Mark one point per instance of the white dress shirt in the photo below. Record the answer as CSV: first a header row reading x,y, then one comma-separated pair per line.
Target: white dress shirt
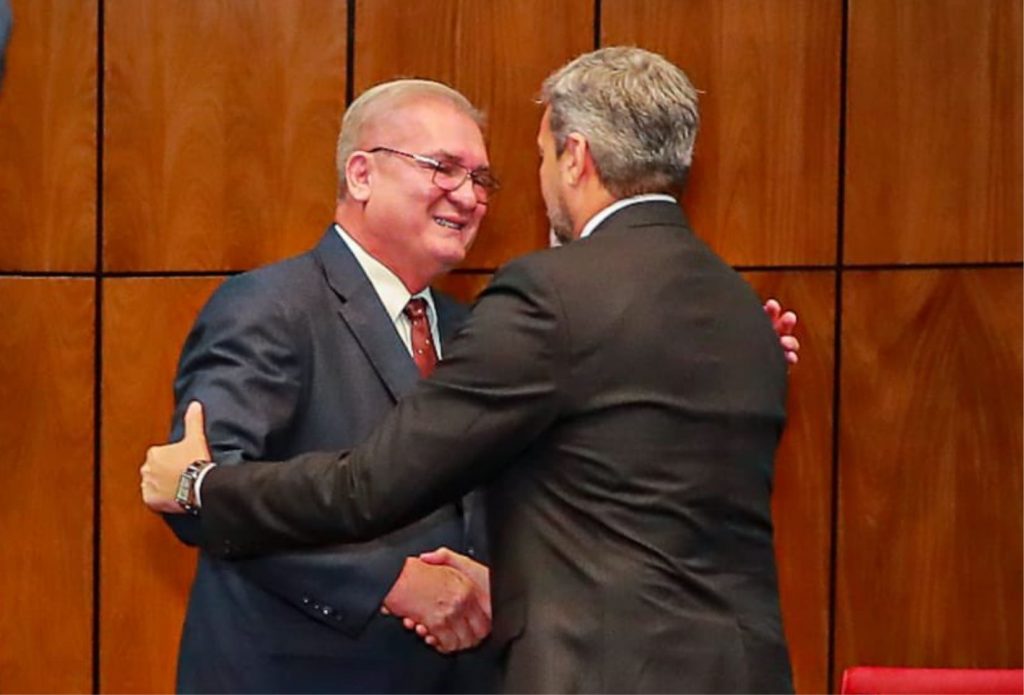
x,y
393,294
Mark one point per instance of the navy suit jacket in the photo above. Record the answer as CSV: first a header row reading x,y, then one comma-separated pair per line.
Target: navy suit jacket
x,y
294,357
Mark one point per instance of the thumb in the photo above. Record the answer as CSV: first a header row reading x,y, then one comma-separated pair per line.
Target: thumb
x,y
195,428
440,556
455,560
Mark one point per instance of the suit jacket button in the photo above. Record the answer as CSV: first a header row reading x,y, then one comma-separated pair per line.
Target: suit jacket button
x,y
471,551
306,600
327,611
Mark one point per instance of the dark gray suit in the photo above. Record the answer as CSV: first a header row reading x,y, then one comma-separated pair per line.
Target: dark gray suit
x,y
624,397
294,357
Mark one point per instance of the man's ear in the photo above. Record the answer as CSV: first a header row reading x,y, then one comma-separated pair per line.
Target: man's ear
x,y
574,158
358,176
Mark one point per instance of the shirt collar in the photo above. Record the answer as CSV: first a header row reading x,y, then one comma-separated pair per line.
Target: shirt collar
x,y
604,214
393,294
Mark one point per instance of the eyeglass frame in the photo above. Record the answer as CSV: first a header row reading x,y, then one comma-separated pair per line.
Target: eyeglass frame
x,y
489,187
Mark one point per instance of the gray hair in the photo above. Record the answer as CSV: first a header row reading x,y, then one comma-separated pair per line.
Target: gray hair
x,y
638,112
382,99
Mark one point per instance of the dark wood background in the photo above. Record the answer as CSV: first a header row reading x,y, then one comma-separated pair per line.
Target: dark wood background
x,y
860,159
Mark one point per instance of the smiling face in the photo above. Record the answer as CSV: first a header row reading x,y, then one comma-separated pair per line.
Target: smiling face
x,y
409,223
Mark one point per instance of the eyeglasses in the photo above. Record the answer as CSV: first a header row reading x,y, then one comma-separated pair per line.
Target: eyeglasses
x,y
448,176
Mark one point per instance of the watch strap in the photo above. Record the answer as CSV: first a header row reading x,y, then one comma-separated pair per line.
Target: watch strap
x,y
185,495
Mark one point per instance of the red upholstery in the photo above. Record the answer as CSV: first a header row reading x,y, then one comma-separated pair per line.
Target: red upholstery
x,y
872,680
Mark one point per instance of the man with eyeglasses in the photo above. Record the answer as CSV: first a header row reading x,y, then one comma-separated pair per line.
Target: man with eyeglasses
x,y
309,354
621,398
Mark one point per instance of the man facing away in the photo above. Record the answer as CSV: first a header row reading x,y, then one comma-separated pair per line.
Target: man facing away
x,y
309,354
621,398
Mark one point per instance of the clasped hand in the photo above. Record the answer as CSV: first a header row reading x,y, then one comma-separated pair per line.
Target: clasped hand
x,y
445,598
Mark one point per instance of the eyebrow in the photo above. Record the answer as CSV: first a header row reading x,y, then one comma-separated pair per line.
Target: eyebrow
x,y
448,156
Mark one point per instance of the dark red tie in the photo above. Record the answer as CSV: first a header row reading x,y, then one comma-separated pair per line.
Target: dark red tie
x,y
422,341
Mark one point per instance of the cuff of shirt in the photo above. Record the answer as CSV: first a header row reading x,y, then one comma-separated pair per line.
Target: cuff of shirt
x,y
198,487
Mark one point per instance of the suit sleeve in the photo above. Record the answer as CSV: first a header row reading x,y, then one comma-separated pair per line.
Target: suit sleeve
x,y
498,388
244,360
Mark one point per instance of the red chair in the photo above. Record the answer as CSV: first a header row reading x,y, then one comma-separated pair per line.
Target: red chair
x,y
878,680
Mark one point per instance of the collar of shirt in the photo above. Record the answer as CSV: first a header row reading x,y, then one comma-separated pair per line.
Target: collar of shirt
x,y
604,214
393,294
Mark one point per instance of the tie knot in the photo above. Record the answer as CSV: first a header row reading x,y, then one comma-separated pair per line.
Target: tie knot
x,y
416,308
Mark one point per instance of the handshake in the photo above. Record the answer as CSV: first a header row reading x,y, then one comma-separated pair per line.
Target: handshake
x,y
442,595
445,597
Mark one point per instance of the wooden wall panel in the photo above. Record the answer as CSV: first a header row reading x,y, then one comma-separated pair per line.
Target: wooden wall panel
x,y
934,131
802,506
497,52
764,185
220,120
46,521
146,572
929,568
48,138
220,126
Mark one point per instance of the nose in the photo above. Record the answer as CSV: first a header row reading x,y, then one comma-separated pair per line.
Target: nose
x,y
464,196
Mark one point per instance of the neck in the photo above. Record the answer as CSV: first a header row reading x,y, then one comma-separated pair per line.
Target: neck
x,y
588,203
405,269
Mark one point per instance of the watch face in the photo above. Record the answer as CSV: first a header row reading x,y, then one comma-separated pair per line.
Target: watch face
x,y
184,483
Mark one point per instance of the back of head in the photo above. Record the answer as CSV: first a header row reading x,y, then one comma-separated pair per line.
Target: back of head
x,y
382,101
637,111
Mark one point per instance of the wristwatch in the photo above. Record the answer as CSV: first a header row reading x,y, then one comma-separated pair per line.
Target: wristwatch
x,y
186,493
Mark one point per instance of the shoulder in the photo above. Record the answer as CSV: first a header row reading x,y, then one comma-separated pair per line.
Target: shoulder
x,y
279,299
279,287
532,268
530,286
290,272
556,271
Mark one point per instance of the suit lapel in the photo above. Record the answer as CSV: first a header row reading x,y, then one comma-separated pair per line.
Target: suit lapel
x,y
450,316
364,314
